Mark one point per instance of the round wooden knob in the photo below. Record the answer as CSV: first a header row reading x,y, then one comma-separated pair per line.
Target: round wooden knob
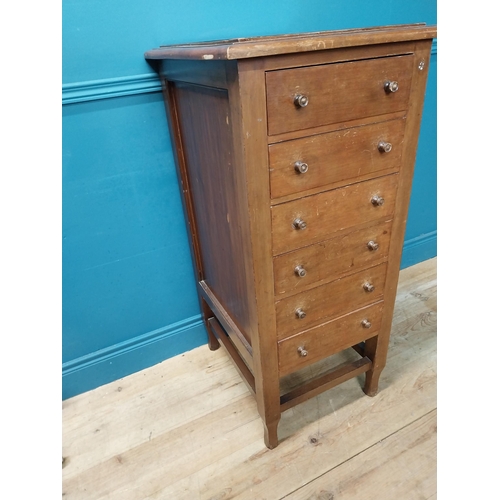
x,y
301,100
300,313
366,324
300,271
372,245
302,351
368,287
384,147
391,87
377,200
299,224
301,167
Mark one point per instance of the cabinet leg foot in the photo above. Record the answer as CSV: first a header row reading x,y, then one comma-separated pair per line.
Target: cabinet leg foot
x,y
371,382
213,343
271,434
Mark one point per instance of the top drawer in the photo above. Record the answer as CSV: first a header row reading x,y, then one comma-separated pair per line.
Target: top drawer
x,y
336,92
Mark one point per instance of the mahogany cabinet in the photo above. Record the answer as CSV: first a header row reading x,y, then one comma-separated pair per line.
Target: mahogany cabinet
x,y
295,155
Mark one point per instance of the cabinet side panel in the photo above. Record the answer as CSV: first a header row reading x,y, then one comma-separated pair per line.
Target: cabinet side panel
x,y
205,129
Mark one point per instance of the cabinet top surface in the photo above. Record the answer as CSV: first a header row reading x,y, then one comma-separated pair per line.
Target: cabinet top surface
x,y
243,48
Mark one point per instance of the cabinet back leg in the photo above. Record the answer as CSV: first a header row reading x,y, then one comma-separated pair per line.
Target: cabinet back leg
x,y
213,343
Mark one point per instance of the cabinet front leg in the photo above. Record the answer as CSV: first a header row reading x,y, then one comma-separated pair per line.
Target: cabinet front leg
x,y
271,433
371,382
372,376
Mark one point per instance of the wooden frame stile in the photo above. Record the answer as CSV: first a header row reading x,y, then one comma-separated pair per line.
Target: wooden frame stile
x,y
249,108
187,201
376,347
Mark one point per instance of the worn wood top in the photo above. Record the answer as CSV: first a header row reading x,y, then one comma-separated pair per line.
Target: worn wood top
x,y
242,48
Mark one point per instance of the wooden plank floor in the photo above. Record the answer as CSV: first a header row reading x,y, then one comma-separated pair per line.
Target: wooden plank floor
x,y
189,429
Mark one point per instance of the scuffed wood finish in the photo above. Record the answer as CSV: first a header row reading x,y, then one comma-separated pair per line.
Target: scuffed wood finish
x,y
329,301
249,115
254,219
329,259
335,157
328,338
242,48
321,213
336,92
189,428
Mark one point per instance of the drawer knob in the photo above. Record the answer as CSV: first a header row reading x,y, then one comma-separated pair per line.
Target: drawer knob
x,y
366,324
384,147
301,100
301,167
391,87
368,287
302,351
300,313
372,245
377,200
300,271
299,224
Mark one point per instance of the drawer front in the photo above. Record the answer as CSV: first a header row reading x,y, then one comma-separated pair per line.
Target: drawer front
x,y
336,92
325,213
325,261
323,341
329,301
335,156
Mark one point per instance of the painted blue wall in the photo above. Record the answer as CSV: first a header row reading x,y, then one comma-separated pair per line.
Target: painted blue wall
x,y
129,299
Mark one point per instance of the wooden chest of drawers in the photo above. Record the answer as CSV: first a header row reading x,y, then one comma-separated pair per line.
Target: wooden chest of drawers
x,y
295,155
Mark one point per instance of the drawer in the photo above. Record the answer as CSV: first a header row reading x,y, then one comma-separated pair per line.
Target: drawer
x,y
329,301
325,261
315,218
336,92
335,157
323,341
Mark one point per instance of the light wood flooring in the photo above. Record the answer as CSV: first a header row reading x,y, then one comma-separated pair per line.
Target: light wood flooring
x,y
189,429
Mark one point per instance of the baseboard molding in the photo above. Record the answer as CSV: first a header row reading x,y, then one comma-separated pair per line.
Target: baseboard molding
x,y
418,249
104,366
94,90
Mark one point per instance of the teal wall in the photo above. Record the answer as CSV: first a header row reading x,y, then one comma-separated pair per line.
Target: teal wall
x,y
129,299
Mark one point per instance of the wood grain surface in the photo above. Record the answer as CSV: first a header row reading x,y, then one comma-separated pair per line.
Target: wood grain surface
x,y
331,212
336,92
239,48
329,301
329,259
334,157
328,338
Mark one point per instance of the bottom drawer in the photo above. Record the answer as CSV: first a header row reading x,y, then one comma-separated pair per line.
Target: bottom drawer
x,y
322,341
